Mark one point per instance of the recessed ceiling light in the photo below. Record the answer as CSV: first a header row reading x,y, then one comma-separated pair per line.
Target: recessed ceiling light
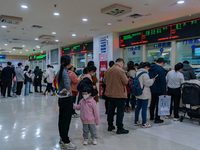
x,y
73,34
53,32
23,45
27,50
13,49
36,39
85,19
4,27
9,51
56,40
109,24
37,46
6,44
24,6
56,14
181,2
20,52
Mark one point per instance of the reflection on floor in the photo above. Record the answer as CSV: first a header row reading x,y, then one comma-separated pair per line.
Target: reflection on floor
x,y
30,123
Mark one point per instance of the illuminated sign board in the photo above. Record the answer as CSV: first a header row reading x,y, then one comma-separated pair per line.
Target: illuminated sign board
x,y
169,32
82,48
37,57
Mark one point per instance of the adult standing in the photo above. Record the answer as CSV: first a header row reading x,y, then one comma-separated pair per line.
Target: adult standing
x,y
74,80
65,103
174,80
158,88
116,80
27,78
111,63
50,75
7,76
1,68
130,73
37,78
187,71
94,79
20,78
142,100
14,83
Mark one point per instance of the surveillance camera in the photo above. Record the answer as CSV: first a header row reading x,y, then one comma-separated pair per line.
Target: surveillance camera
x,y
33,49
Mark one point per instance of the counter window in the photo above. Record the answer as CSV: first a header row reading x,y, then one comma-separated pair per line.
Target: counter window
x,y
80,60
134,54
189,50
90,56
155,51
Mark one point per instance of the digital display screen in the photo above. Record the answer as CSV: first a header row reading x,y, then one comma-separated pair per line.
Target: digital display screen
x,y
77,49
37,57
169,32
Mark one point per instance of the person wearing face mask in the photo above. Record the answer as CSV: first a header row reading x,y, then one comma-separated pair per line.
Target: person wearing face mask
x,y
87,81
116,80
94,78
20,78
89,115
74,80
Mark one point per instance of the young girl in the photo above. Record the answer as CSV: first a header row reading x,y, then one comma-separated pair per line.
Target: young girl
x,y
89,115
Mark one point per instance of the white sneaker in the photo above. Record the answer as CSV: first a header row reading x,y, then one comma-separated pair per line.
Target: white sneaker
x,y
68,146
85,142
138,123
167,117
176,119
146,125
94,141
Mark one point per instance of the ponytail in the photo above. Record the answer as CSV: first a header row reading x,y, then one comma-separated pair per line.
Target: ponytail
x,y
65,61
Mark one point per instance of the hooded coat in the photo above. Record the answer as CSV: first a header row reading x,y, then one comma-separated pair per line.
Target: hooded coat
x,y
188,72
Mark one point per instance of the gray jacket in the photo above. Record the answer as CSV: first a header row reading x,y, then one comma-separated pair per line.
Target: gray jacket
x,y
65,81
188,72
19,74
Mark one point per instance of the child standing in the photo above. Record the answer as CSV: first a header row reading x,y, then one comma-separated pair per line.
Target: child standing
x,y
89,115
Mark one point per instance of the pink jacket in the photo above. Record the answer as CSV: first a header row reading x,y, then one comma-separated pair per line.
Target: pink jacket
x,y
88,76
74,80
89,113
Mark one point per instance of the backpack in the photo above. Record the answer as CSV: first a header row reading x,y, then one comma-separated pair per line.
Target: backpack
x,y
134,85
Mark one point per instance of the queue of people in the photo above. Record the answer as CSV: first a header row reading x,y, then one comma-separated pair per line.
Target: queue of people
x,y
151,77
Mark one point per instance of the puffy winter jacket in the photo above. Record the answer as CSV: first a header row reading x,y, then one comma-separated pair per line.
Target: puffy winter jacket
x,y
188,72
159,85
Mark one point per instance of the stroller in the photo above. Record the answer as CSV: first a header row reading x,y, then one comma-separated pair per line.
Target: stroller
x,y
191,101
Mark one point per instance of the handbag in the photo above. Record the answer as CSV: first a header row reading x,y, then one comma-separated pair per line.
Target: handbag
x,y
164,105
45,80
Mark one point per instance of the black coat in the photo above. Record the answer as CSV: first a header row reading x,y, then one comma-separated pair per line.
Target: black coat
x,y
38,75
86,82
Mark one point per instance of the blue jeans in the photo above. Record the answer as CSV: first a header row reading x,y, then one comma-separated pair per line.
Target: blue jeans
x,y
27,88
141,104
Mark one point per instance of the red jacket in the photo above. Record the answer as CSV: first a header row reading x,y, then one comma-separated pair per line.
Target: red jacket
x,y
74,80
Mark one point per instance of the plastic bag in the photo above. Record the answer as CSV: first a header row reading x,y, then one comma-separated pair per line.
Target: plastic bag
x,y
164,105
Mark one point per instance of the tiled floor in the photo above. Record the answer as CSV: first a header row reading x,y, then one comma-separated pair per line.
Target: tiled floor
x,y
30,123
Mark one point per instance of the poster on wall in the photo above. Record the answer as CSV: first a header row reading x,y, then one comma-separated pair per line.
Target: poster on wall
x,y
102,69
54,57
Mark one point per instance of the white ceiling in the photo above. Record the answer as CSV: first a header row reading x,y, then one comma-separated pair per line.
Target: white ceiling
x,y
40,12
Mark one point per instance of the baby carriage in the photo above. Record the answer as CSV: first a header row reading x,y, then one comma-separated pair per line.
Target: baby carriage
x,y
191,101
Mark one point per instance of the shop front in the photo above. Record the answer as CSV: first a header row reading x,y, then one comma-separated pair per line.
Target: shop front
x,y
175,43
80,54
38,60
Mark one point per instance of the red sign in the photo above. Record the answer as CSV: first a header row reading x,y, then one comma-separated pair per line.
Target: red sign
x,y
102,69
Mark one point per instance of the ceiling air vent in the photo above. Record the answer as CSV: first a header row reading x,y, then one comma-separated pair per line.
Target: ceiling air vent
x,y
18,48
116,10
49,43
37,26
136,16
46,37
2,50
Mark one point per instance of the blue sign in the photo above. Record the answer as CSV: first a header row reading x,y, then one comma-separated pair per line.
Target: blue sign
x,y
162,50
2,56
193,47
133,52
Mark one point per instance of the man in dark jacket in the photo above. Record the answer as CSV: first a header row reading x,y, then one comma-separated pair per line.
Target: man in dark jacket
x,y
1,68
7,76
158,88
188,72
38,78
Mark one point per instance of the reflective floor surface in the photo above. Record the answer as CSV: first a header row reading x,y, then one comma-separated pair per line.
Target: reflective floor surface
x,y
30,123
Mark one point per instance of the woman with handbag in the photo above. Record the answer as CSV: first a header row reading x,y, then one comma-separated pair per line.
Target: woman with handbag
x,y
27,78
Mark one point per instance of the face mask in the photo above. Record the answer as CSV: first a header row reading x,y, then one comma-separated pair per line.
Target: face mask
x,y
93,74
86,96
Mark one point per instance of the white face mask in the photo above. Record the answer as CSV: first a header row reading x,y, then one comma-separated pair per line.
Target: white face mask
x,y
86,96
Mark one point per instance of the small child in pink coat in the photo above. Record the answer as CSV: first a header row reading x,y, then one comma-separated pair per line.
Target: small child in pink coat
x,y
89,115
